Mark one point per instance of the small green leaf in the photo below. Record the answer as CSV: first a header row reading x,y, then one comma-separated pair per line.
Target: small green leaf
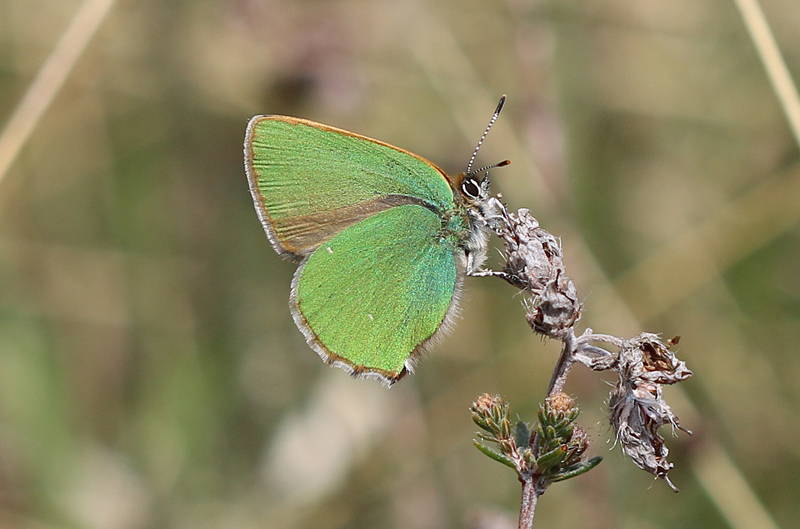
x,y
482,422
505,428
522,435
552,459
527,455
549,432
489,438
577,469
494,455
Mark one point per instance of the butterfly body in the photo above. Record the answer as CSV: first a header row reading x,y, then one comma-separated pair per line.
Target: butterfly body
x,y
383,238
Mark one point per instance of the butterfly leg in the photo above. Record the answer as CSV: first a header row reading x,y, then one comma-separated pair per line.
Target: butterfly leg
x,y
485,272
478,271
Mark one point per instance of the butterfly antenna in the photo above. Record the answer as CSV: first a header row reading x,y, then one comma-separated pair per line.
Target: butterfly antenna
x,y
482,169
485,132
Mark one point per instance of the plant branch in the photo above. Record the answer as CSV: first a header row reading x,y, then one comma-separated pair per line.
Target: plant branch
x,y
527,509
565,361
554,449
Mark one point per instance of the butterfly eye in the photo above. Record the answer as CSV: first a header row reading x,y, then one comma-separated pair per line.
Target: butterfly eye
x,y
470,188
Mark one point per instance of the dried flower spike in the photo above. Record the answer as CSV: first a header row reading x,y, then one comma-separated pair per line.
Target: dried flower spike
x,y
638,409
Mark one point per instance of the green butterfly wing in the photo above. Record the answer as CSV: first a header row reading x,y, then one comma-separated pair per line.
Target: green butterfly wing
x,y
310,181
372,297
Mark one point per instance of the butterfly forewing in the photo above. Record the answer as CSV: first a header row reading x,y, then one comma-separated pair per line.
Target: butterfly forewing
x,y
310,181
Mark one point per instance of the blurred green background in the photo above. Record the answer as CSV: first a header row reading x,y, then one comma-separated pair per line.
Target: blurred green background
x,y
150,373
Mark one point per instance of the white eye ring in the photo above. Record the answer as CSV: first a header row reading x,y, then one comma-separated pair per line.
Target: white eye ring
x,y
471,188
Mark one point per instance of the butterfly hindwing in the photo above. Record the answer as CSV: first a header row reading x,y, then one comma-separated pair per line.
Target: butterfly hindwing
x,y
371,297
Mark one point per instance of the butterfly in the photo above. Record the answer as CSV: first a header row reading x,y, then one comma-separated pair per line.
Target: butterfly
x,y
383,237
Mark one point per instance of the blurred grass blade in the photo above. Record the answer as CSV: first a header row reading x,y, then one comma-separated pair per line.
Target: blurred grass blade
x,y
50,79
729,490
770,55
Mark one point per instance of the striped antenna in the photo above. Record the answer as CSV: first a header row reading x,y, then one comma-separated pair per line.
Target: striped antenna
x,y
482,169
488,127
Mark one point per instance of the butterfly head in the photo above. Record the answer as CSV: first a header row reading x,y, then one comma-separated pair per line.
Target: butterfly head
x,y
475,192
474,189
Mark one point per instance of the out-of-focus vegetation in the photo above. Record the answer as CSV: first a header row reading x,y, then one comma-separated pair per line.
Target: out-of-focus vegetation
x,y
150,373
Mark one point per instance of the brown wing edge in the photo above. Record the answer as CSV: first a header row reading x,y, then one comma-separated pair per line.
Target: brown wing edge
x,y
386,378
258,201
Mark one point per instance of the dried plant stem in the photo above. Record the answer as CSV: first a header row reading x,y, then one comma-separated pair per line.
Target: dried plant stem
x,y
565,361
774,64
50,79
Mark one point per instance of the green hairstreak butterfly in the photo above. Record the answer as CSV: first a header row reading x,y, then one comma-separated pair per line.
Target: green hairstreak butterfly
x,y
383,238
